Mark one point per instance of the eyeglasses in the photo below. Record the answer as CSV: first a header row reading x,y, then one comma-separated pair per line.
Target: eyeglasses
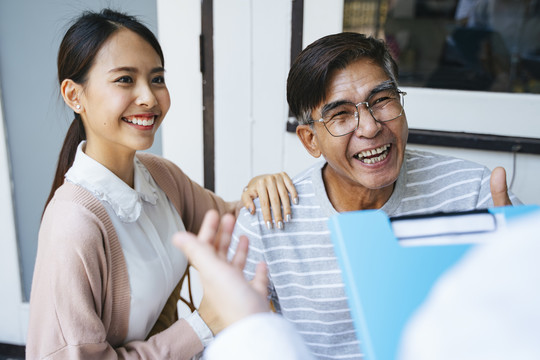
x,y
343,118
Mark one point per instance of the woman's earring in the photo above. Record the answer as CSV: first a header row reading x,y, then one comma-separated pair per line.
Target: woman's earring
x,y
78,107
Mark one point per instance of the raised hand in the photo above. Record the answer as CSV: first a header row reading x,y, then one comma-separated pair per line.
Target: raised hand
x,y
228,297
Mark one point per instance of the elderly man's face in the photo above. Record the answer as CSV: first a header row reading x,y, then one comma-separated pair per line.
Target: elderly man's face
x,y
347,156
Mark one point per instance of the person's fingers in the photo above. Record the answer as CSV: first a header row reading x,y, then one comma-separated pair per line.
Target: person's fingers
x,y
240,255
247,200
224,235
209,227
191,247
260,280
275,201
499,188
283,199
290,187
265,204
196,246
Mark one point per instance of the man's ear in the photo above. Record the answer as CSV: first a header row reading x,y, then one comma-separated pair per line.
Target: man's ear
x,y
70,91
308,137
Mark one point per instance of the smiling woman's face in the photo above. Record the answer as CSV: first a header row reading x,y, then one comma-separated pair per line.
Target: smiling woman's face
x,y
125,98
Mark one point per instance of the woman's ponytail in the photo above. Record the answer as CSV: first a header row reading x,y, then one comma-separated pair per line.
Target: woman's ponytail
x,y
74,136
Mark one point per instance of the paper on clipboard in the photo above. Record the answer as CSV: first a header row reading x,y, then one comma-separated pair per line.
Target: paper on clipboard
x,y
442,228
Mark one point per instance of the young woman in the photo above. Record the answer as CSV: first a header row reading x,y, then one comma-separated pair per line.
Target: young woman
x,y
107,277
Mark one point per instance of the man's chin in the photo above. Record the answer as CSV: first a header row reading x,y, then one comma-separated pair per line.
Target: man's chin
x,y
380,183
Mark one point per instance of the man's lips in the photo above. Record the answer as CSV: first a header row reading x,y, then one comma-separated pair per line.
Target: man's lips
x,y
373,156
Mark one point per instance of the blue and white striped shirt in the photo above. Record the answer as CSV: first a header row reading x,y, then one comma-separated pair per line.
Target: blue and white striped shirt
x,y
305,280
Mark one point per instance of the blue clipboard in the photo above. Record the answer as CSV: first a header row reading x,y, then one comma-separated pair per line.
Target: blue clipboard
x,y
386,282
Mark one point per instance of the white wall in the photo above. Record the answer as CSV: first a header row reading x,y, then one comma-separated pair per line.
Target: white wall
x,y
250,38
179,27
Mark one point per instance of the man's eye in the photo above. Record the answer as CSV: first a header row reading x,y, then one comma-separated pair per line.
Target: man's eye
x,y
124,79
382,99
340,115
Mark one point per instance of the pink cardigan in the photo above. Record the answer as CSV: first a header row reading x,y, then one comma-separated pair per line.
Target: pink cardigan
x,y
80,298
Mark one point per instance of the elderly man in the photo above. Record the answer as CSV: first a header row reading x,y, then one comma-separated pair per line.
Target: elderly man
x,y
343,89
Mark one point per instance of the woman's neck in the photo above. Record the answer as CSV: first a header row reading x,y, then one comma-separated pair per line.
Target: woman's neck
x,y
118,162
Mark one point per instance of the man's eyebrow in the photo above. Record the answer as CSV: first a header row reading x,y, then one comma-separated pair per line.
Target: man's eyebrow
x,y
334,104
131,69
385,85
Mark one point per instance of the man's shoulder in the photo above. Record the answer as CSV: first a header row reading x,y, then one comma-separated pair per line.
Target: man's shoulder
x,y
308,173
421,159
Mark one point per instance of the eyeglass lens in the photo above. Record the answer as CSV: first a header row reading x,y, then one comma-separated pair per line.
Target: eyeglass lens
x,y
345,118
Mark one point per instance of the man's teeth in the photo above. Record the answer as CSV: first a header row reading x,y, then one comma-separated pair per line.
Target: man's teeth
x,y
367,156
375,159
143,122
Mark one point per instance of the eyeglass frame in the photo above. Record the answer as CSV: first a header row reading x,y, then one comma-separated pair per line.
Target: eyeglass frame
x,y
357,114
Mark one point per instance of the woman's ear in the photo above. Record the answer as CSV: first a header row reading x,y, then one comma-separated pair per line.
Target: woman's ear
x,y
308,137
70,91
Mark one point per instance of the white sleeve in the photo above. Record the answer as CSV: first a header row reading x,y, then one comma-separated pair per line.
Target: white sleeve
x,y
201,329
263,336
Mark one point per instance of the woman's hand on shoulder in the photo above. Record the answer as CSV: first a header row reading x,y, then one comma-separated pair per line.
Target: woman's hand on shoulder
x,y
273,192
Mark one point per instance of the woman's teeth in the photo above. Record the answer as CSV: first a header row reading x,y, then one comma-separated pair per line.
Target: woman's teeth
x,y
139,121
369,156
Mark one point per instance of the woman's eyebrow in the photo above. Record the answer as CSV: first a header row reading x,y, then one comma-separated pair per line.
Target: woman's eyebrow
x,y
132,69
123,68
158,69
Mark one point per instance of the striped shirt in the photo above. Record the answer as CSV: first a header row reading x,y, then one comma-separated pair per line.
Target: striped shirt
x,y
305,281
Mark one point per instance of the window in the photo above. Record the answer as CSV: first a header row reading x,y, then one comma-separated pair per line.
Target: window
x,y
486,45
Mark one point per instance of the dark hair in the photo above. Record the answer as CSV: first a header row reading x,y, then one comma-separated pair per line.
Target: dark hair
x,y
310,72
76,55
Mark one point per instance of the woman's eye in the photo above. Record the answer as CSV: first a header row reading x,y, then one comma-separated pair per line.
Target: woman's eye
x,y
124,79
159,80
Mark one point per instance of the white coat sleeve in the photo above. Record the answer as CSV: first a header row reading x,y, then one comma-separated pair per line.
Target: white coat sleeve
x,y
264,336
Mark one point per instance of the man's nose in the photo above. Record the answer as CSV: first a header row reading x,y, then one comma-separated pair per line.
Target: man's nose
x,y
367,125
